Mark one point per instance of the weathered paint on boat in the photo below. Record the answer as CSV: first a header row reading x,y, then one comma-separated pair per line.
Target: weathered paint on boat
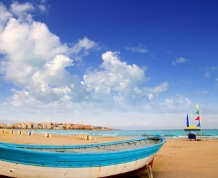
x,y
28,171
81,161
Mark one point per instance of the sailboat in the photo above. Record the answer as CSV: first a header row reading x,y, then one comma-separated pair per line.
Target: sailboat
x,y
191,130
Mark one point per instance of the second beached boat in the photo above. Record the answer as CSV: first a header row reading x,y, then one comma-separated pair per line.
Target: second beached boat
x,y
79,161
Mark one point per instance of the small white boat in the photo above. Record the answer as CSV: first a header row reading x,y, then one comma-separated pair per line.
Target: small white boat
x,y
78,161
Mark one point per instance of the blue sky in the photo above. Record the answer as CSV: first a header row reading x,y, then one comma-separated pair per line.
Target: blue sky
x,y
121,64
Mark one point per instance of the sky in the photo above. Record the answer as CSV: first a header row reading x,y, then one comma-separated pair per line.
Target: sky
x,y
127,64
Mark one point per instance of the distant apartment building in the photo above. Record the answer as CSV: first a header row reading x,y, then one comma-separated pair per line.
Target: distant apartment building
x,y
2,126
17,125
23,125
51,125
87,127
35,126
9,126
40,126
29,125
77,126
48,126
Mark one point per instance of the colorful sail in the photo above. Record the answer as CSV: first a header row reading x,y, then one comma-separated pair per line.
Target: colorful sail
x,y
198,113
199,124
187,121
198,118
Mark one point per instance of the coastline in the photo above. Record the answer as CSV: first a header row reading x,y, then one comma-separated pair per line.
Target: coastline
x,y
179,157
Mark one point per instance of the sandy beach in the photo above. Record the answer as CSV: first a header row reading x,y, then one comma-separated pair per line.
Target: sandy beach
x,y
53,140
178,158
182,158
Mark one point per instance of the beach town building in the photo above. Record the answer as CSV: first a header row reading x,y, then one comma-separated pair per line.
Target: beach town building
x,y
68,126
40,126
77,126
2,125
48,125
60,127
87,127
23,125
45,125
17,126
9,126
29,125
51,125
35,126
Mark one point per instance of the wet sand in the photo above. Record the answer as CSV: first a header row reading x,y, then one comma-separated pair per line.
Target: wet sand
x,y
178,158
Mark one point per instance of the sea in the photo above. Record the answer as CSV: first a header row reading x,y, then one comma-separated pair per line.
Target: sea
x,y
209,133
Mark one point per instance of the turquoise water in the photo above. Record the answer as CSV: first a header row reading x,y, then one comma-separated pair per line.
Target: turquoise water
x,y
121,133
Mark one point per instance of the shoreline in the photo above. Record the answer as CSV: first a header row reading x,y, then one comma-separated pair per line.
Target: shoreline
x,y
170,133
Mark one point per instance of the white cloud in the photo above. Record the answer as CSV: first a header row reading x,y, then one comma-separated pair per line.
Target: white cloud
x,y
35,61
177,104
38,60
21,10
179,60
139,49
207,74
204,92
42,7
43,1
210,70
116,81
158,89
81,48
4,16
27,47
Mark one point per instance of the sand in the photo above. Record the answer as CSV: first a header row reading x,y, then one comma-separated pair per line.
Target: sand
x,y
178,158
182,158
53,140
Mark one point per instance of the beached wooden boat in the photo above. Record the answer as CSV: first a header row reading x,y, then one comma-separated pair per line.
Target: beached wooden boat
x,y
79,161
